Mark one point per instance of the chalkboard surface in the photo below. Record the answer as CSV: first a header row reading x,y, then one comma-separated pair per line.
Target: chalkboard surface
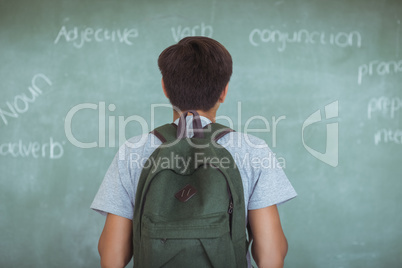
x,y
320,81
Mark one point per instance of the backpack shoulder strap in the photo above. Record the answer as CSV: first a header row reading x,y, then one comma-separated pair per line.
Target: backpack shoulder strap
x,y
166,132
215,131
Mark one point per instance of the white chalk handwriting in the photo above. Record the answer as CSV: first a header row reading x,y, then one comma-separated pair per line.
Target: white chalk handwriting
x,y
387,106
258,37
388,136
51,150
180,32
78,37
377,67
20,103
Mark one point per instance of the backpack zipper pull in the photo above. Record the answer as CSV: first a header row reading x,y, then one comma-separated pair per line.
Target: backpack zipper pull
x,y
230,210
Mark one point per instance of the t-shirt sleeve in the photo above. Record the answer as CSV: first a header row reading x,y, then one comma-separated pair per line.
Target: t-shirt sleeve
x,y
114,195
264,180
271,186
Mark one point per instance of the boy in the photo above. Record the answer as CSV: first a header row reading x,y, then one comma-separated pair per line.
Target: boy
x,y
195,76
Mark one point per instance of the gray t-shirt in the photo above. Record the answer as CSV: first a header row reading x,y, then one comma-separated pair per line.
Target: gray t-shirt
x,y
264,181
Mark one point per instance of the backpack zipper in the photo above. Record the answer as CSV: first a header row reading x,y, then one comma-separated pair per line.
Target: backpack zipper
x,y
230,210
231,205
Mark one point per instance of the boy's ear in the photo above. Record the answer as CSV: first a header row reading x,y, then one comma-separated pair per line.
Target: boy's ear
x,y
164,89
224,93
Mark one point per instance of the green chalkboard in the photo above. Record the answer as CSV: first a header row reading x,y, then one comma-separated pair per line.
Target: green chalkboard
x,y
320,81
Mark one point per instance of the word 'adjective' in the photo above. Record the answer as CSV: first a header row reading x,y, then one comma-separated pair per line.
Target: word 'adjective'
x,y
78,37
180,32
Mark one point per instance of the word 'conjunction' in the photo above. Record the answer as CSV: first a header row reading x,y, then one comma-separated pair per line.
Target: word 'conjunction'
x,y
258,37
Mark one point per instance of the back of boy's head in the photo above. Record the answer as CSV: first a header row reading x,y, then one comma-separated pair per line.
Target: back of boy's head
x,y
195,71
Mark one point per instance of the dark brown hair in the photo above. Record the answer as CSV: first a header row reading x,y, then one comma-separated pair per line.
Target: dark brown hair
x,y
195,71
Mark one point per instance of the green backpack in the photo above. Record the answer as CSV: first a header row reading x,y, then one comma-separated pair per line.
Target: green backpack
x,y
189,206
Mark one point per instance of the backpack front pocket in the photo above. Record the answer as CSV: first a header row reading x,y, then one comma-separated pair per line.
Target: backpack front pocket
x,y
187,242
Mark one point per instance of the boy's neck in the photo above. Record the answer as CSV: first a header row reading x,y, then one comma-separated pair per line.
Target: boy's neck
x,y
211,114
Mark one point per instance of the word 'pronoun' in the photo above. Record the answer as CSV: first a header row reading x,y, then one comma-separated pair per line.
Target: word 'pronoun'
x,y
380,68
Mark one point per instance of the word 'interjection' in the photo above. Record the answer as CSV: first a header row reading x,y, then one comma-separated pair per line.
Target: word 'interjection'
x,y
388,136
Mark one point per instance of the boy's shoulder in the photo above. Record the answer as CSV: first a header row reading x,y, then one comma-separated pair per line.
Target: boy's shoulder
x,y
243,140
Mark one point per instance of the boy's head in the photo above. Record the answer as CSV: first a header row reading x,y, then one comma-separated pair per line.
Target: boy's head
x,y
195,72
